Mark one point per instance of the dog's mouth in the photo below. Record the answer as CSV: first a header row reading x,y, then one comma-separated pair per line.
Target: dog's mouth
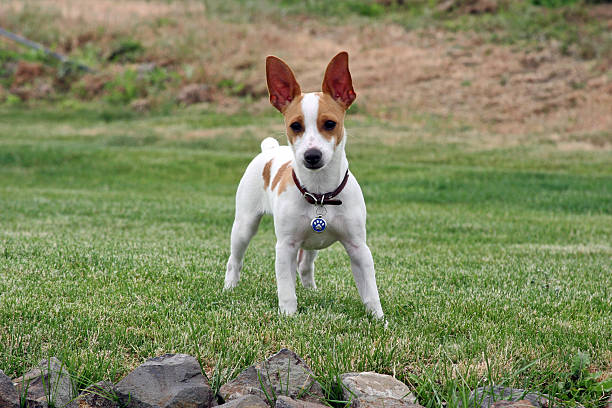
x,y
313,166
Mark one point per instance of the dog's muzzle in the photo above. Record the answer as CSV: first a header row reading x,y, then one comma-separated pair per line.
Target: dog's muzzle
x,y
312,158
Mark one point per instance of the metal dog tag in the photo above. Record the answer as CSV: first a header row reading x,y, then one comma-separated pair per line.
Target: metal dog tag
x,y
318,224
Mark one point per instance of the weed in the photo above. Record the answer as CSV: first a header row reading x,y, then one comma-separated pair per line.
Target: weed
x,y
132,84
365,8
580,384
12,100
126,51
231,87
263,385
224,370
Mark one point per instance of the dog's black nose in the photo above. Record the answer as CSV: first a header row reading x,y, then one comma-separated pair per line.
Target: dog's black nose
x,y
312,157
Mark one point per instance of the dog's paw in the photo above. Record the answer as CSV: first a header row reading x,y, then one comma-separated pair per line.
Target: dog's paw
x,y
375,310
229,285
309,284
287,309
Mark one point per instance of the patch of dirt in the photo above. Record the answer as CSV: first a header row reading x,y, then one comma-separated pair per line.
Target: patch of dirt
x,y
398,74
27,72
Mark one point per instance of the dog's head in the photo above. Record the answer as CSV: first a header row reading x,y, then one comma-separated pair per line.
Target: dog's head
x,y
314,121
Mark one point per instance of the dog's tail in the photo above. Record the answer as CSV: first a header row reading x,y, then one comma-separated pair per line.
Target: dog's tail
x,y
269,143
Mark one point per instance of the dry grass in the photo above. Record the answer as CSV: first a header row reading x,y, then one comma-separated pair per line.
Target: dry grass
x,y
397,73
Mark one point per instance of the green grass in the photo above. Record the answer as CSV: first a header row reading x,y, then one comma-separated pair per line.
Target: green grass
x,y
114,233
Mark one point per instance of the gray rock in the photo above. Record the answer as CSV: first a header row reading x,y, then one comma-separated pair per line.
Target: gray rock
x,y
246,401
286,402
99,395
282,374
49,382
169,381
8,394
376,390
513,404
485,397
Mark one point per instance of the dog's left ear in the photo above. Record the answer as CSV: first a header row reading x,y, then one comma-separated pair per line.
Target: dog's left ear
x,y
337,82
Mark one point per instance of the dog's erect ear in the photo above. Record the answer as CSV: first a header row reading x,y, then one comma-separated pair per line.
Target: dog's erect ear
x,y
337,82
282,85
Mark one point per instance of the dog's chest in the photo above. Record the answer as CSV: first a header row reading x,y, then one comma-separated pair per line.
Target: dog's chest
x,y
312,239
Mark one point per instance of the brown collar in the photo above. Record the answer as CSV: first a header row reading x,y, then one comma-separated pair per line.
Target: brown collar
x,y
321,199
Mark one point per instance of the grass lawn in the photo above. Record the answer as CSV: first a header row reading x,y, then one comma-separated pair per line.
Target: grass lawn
x,y
493,261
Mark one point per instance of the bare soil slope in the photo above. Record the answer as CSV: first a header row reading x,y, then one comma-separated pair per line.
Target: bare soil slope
x,y
397,73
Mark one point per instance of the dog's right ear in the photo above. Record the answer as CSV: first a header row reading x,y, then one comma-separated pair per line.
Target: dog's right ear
x,y
282,86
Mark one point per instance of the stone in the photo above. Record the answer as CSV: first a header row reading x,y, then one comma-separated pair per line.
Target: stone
x,y
168,381
513,404
100,395
284,373
487,397
195,93
246,401
49,382
375,390
9,398
286,402
246,383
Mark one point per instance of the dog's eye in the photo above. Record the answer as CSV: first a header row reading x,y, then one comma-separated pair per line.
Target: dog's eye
x,y
329,125
296,127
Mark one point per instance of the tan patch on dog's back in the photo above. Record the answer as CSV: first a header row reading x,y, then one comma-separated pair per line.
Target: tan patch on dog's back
x,y
266,173
282,178
329,109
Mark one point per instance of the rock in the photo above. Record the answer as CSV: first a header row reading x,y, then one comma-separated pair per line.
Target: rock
x,y
99,395
246,401
49,382
172,380
513,404
286,402
195,93
376,390
9,398
246,383
481,397
282,374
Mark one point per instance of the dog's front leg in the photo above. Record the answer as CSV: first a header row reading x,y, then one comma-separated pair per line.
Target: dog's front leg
x,y
362,266
286,265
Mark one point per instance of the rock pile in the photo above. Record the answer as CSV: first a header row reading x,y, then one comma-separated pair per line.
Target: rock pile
x,y
176,381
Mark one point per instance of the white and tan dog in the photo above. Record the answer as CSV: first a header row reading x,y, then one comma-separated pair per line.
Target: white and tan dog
x,y
296,183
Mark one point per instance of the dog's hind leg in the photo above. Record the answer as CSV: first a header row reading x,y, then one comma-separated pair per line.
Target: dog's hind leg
x,y
245,226
305,262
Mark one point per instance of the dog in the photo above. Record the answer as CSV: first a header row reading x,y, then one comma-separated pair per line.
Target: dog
x,y
307,187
